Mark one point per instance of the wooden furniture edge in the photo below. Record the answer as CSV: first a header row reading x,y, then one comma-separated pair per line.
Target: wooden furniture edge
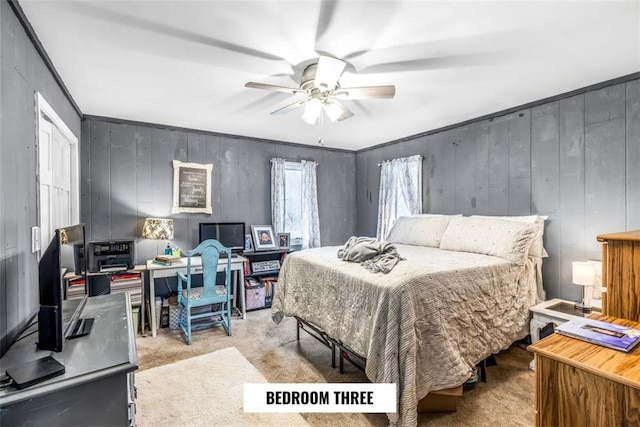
x,y
633,235
547,347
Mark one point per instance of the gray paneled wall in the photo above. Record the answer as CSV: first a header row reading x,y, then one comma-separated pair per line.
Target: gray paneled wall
x,y
576,160
127,176
22,73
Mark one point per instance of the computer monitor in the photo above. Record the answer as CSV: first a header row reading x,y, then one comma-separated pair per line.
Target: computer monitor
x,y
230,234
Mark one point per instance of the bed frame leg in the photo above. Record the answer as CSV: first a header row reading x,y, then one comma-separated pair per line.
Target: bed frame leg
x,y
333,355
341,362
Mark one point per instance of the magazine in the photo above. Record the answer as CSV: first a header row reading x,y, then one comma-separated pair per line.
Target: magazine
x,y
606,334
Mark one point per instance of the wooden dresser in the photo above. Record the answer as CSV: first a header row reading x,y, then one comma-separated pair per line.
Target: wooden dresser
x,y
621,274
582,384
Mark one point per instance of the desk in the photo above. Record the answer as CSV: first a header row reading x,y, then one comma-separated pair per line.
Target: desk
x,y
582,384
157,271
98,384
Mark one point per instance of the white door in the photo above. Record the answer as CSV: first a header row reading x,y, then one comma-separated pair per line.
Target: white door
x,y
58,199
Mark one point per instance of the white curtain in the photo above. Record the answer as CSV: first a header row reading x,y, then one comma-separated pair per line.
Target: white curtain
x,y
310,218
400,192
277,195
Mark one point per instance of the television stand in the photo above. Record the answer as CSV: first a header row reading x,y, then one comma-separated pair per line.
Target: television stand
x,y
98,385
81,328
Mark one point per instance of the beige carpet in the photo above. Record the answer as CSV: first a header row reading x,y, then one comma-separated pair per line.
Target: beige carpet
x,y
204,390
505,400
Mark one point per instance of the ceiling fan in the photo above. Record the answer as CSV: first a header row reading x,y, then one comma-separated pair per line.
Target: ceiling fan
x,y
320,91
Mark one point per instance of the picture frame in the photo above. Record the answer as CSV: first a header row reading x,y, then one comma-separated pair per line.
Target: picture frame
x,y
284,240
191,187
263,237
248,243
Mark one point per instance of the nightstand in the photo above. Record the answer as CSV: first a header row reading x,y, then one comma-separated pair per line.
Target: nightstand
x,y
582,384
556,311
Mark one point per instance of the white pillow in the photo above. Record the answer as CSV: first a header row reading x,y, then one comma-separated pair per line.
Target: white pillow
x,y
537,246
505,239
418,230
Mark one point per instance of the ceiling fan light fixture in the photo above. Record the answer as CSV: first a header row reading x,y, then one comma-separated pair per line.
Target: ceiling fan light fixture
x,y
312,111
333,111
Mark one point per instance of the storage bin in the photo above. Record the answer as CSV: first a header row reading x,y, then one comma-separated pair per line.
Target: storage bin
x,y
255,296
445,400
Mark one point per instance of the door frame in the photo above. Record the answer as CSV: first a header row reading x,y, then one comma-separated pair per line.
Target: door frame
x,y
42,107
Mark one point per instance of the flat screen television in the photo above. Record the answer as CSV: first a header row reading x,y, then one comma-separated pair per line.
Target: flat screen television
x,y
230,234
59,257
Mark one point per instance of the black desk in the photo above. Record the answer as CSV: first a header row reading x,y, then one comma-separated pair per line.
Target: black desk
x,y
98,385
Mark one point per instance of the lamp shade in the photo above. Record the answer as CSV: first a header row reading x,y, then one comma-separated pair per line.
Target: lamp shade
x,y
583,273
158,228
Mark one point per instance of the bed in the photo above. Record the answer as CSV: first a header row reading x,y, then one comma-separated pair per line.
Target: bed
x,y
461,292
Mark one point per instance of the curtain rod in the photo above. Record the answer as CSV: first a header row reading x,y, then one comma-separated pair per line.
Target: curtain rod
x,y
400,159
275,159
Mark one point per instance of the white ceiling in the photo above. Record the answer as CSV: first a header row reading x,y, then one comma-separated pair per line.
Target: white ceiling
x,y
185,63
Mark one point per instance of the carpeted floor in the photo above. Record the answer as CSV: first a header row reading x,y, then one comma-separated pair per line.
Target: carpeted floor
x,y
506,398
212,385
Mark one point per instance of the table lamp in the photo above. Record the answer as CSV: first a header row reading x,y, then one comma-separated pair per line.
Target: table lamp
x,y
158,229
584,274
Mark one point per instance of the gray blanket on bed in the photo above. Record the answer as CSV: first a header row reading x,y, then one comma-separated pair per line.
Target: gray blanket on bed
x,y
375,256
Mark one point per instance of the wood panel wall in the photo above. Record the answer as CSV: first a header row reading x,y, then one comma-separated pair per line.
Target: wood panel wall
x,y
127,175
576,160
22,73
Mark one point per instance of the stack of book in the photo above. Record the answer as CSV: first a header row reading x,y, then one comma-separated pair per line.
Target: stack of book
x,y
167,259
128,282
75,289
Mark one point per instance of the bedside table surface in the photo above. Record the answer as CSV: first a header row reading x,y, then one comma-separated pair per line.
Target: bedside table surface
x,y
561,309
612,364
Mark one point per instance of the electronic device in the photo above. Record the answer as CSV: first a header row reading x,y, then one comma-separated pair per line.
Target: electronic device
x,y
58,257
113,255
36,371
230,234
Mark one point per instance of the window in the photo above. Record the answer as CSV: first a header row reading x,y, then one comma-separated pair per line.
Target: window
x,y
400,192
293,201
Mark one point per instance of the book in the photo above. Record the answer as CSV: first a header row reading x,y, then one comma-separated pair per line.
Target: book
x,y
617,337
171,259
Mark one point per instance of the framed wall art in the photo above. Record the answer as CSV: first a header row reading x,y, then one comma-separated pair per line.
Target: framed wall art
x,y
263,237
191,187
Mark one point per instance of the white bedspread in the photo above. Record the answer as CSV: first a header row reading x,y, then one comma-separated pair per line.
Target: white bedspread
x,y
424,325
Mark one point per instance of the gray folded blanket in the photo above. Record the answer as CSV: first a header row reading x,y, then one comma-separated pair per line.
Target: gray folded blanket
x,y
374,255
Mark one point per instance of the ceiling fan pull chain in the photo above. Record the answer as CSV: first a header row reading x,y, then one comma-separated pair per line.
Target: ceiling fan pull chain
x,y
321,125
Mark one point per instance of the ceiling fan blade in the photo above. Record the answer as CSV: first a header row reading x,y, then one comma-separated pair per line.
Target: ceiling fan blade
x,y
276,88
291,107
445,61
328,72
430,54
145,24
337,111
379,92
327,7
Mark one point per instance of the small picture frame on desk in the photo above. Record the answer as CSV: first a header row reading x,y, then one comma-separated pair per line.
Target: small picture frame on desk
x,y
248,243
263,237
284,240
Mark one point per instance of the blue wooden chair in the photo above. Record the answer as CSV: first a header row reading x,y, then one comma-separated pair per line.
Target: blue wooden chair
x,y
219,296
